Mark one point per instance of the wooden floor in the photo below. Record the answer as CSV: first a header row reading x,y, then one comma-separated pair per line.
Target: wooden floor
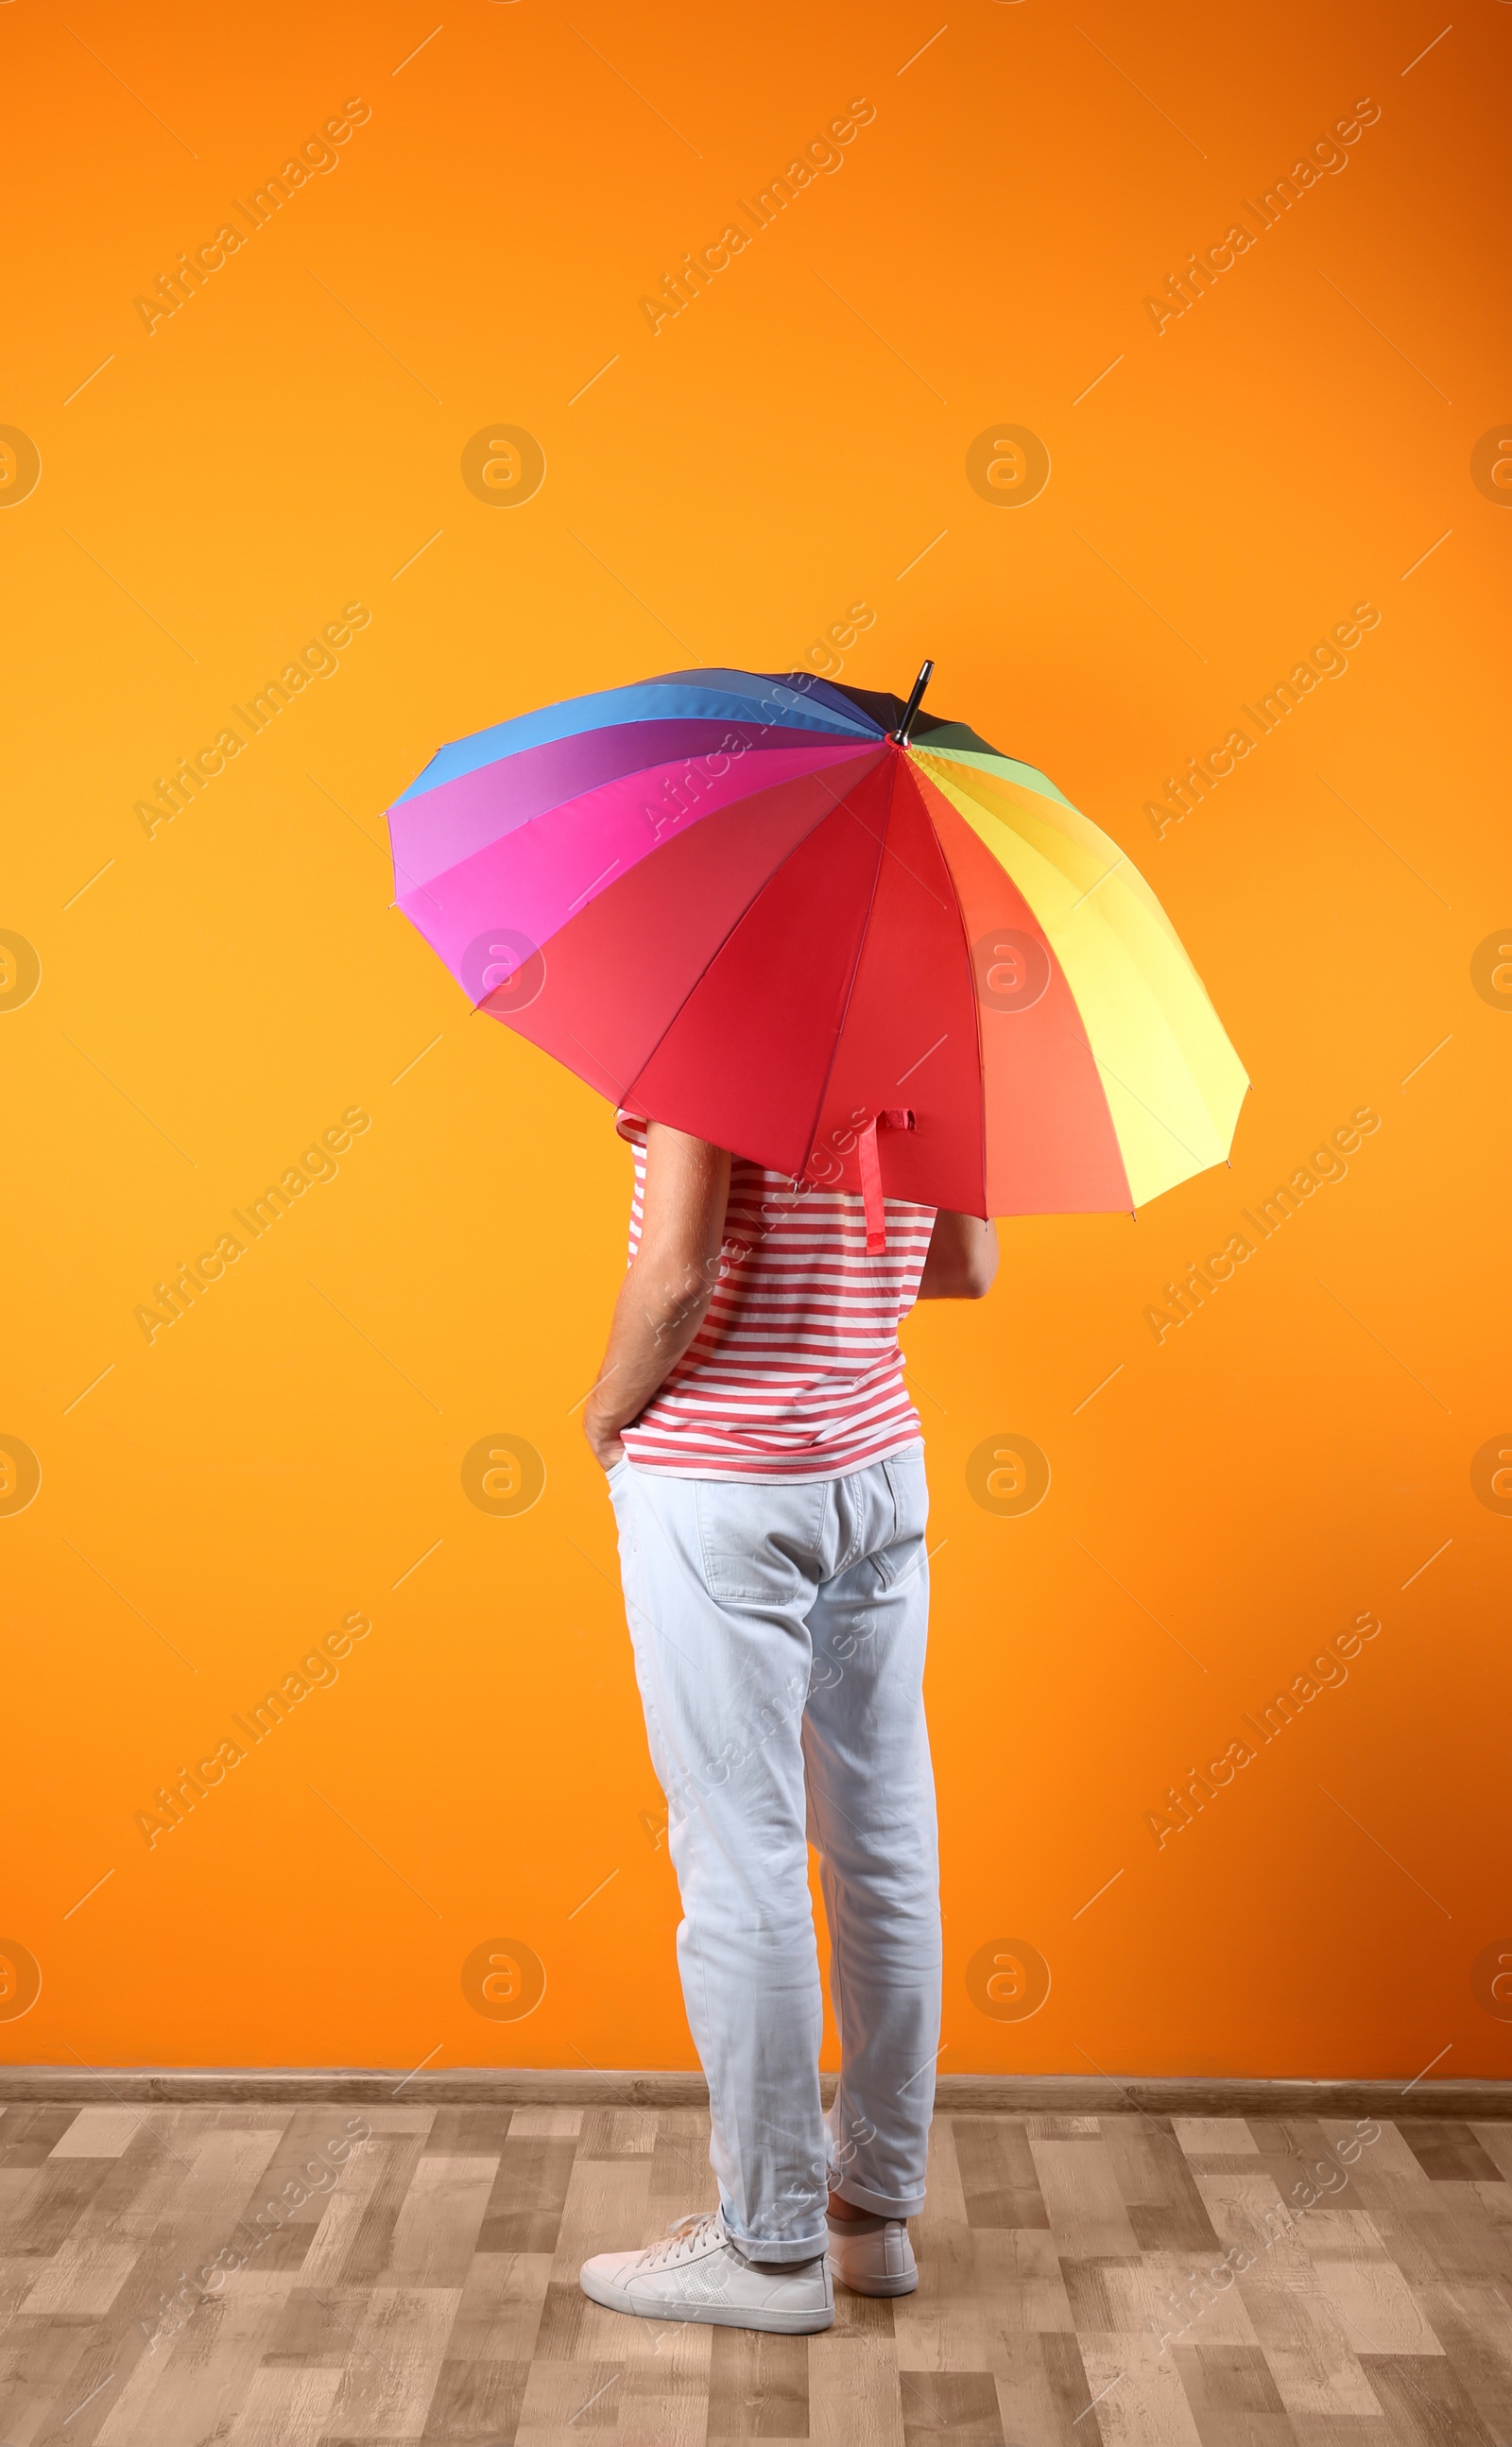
x,y
428,2292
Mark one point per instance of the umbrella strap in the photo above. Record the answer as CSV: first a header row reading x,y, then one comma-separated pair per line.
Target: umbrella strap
x,y
894,1117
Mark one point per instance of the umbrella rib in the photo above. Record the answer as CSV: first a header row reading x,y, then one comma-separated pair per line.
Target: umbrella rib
x,y
589,891
596,1059
919,780
889,852
860,946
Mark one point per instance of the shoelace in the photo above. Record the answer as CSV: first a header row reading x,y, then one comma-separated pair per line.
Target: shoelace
x,y
681,2236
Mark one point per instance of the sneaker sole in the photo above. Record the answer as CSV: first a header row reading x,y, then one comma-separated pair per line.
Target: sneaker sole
x,y
711,2315
876,2286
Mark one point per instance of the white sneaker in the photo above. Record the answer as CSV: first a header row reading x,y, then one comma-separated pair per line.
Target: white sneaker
x,y
697,2273
881,2262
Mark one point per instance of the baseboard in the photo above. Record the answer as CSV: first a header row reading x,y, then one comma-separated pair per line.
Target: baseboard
x,y
956,2093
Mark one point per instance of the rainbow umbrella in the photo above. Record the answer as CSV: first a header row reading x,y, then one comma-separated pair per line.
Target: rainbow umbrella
x,y
789,917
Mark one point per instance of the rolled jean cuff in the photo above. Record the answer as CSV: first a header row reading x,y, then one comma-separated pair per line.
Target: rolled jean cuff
x,y
786,2254
876,2203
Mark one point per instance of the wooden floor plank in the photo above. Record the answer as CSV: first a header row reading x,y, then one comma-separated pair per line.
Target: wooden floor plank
x,y
436,2231
1426,2403
1448,2153
961,2404
1371,2299
477,2399
1230,2395
662,2398
285,2408
1496,2140
1461,2238
1080,2187
396,2155
195,2387
1160,2189
28,2133
50,2368
978,2294
1160,2294
467,2132
53,2195
1042,2391
98,2133
387,2387
1313,2363
1473,2324
499,2314
758,2385
1255,2228
86,2273
999,2180
1137,2391
854,2395
1206,2136
529,2193
617,2132
546,2124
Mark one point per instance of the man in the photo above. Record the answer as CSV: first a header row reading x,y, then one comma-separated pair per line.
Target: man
x,y
766,1472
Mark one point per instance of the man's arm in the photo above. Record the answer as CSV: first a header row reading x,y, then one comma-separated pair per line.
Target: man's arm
x,y
962,1257
666,1291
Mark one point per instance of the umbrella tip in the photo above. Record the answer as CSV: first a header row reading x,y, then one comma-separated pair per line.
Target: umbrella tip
x,y
900,734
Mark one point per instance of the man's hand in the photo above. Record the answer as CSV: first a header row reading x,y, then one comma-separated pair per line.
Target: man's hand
x,y
607,1444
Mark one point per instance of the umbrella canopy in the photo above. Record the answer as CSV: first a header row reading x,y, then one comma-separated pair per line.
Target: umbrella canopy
x,y
781,914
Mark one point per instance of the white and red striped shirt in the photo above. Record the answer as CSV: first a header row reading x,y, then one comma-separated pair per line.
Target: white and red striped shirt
x,y
795,1371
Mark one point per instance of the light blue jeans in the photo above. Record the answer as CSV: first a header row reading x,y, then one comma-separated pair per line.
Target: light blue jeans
x,y
779,1633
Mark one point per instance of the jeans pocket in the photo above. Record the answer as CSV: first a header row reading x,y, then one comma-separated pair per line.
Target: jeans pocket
x,y
751,1537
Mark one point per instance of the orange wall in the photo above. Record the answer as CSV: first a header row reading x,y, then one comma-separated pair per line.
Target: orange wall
x,y
215,994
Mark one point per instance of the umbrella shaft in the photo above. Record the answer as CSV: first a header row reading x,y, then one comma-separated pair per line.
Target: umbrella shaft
x,y
900,734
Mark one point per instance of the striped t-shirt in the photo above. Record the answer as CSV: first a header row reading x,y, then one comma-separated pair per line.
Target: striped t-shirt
x,y
795,1371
